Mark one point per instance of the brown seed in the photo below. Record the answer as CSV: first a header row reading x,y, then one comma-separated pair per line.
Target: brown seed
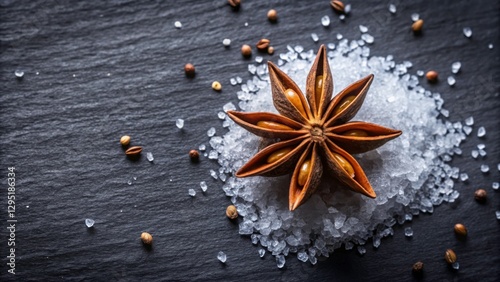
x,y
263,44
480,195
450,256
194,155
338,6
234,3
418,267
133,151
246,50
272,15
216,86
432,76
417,26
125,140
231,212
146,238
189,70
460,229
270,50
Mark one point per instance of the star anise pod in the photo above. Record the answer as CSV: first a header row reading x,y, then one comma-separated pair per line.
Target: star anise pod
x,y
313,132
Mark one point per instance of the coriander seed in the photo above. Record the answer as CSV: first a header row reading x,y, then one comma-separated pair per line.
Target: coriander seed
x,y
125,140
231,212
246,50
216,86
189,70
146,238
432,76
460,229
272,15
263,44
418,267
234,3
133,151
450,256
338,6
480,195
194,155
417,26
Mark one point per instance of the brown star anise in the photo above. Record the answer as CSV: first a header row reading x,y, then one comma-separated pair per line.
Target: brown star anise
x,y
313,131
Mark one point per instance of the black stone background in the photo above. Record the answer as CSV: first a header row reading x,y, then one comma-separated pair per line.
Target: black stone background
x,y
60,129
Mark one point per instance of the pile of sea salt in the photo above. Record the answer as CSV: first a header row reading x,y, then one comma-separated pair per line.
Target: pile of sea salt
x,y
410,174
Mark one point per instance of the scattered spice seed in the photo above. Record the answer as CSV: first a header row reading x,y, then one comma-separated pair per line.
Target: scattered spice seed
x,y
460,229
133,151
450,256
418,268
189,70
246,50
432,76
338,6
146,238
270,50
417,26
125,140
263,44
480,195
272,15
216,86
194,155
234,3
231,212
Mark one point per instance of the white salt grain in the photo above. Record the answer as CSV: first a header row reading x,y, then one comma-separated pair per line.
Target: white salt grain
x,y
89,222
314,37
490,46
178,24
408,232
191,192
342,17
213,174
347,8
455,67
363,28
474,153
179,123
19,73
451,80
211,132
262,252
464,176
367,38
203,186
325,21
467,32
226,42
280,261
485,168
481,132
495,185
415,17
392,8
221,256
497,214
469,121
455,265
202,147
498,166
149,156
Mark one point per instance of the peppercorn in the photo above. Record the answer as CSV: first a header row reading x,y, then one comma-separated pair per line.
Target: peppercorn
x,y
189,70
480,195
194,155
272,15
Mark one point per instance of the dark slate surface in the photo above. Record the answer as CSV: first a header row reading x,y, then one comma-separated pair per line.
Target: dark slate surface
x,y
60,130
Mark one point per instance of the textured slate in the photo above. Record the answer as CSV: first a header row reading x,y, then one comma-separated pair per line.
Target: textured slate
x,y
108,68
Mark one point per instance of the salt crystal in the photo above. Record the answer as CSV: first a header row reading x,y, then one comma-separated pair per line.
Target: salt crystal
x,y
467,32
495,185
178,24
280,261
464,176
481,131
89,222
497,213
221,115
367,38
129,182
420,73
361,250
203,186
325,21
230,106
451,80
363,28
490,46
262,252
259,59
202,147
455,265
455,67
211,132
347,8
415,17
179,123
498,166
342,17
392,8
213,174
469,121
226,42
485,168
19,73
339,36
467,129
314,37
474,153
149,156
302,256
408,232
191,192
221,256
213,155
481,146
233,81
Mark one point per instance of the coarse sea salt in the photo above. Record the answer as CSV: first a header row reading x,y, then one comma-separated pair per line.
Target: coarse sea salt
x,y
410,174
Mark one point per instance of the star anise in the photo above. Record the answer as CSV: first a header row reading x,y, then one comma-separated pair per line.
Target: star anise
x,y
313,132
